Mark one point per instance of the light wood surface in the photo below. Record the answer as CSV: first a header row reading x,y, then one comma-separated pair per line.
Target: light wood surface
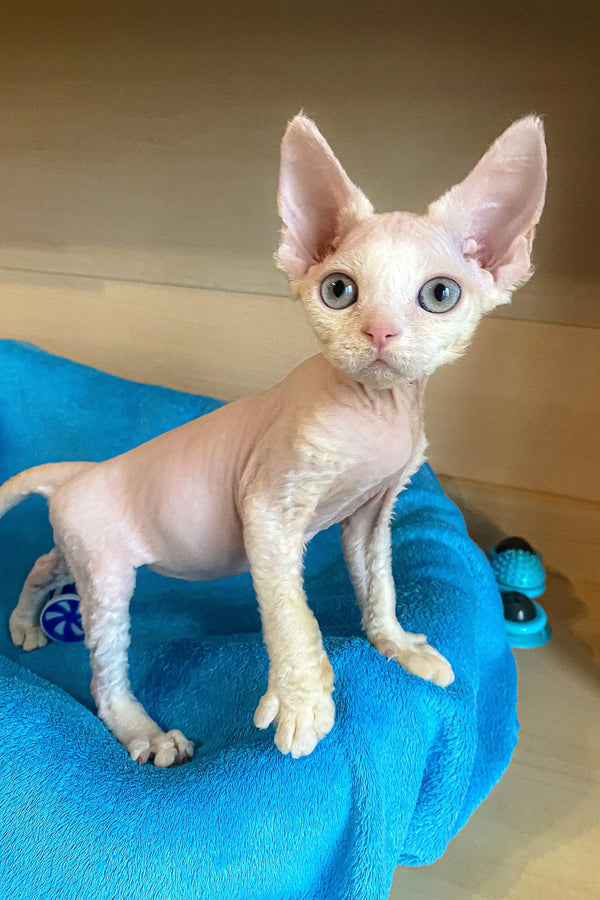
x,y
521,409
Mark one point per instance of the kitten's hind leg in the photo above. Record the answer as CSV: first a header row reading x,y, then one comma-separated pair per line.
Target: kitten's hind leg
x,y
50,572
105,590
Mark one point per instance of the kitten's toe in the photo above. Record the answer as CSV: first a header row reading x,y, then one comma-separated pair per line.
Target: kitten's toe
x,y
163,749
300,730
427,663
301,722
267,710
27,635
415,655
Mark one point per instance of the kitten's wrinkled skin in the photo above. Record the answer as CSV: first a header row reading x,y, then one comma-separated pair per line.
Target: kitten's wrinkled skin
x,y
246,486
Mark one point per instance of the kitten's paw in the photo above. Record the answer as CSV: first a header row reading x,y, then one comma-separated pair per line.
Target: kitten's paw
x,y
163,749
27,635
416,656
300,724
303,716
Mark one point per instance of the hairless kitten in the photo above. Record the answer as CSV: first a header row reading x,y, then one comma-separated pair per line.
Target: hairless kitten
x,y
390,297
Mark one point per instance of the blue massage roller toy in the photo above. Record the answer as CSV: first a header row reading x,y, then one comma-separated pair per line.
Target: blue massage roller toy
x,y
521,577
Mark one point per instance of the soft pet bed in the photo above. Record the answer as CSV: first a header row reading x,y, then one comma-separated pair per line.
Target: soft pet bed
x,y
405,766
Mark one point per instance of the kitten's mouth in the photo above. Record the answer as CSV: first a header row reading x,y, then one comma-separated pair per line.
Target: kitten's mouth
x,y
381,372
383,369
381,364
378,371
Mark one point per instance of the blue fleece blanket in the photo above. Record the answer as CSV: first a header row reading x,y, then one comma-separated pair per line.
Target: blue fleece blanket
x,y
405,766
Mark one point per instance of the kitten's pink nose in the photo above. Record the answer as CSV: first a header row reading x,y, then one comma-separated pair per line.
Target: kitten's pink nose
x,y
380,335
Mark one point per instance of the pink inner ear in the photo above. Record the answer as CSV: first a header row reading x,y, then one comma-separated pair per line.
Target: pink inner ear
x,y
314,191
515,266
308,212
499,203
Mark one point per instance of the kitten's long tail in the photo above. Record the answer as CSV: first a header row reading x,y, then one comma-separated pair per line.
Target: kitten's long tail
x,y
39,480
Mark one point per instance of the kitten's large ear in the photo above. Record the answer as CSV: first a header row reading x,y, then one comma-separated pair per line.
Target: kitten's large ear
x,y
494,211
318,203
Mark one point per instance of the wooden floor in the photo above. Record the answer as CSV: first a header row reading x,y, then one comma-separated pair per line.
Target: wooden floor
x,y
538,834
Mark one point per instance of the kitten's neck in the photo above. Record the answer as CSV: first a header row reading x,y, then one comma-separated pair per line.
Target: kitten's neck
x,y
402,395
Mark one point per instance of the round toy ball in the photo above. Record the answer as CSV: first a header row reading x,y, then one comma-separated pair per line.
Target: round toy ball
x,y
518,567
525,622
518,607
61,619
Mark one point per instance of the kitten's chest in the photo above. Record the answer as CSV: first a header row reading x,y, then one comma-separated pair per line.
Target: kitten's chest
x,y
369,457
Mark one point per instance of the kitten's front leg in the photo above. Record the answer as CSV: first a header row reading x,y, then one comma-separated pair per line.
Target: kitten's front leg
x,y
366,539
298,697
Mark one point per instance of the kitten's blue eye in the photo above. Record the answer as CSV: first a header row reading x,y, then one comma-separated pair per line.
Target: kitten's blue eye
x,y
338,291
439,295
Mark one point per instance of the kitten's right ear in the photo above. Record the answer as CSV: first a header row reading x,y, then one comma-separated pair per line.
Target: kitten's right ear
x,y
494,211
318,203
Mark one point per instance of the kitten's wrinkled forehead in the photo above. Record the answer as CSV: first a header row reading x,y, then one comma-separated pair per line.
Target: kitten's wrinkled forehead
x,y
401,229
399,245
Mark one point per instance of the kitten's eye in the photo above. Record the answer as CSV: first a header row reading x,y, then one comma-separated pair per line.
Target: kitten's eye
x,y
338,291
439,295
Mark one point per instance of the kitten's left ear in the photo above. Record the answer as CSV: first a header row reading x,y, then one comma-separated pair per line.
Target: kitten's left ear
x,y
318,203
494,211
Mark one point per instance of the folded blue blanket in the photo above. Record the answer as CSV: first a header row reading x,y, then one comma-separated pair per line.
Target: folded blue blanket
x,y
405,766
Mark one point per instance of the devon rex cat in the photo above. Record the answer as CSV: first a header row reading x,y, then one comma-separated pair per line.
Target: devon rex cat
x,y
391,297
